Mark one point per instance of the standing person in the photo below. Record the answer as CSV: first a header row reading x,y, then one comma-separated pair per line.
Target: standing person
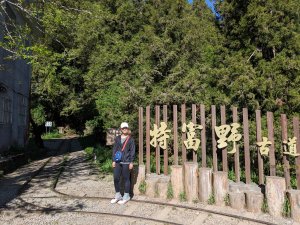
x,y
124,143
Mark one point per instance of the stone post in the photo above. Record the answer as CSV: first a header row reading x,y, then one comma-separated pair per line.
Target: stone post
x,y
177,180
220,187
191,181
275,193
205,184
138,177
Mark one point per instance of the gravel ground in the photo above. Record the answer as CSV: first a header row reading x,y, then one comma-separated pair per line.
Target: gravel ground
x,y
81,179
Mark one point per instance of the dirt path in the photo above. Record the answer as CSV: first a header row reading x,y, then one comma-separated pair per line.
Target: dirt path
x,y
38,204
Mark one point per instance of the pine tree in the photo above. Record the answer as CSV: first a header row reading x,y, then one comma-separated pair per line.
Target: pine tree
x,y
263,40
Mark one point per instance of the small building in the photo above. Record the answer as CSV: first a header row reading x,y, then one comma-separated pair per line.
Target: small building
x,y
15,78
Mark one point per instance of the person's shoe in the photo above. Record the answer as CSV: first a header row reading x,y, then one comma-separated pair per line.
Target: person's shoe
x,y
125,199
117,198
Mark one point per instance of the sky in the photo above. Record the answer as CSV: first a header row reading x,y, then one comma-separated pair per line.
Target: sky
x,y
208,2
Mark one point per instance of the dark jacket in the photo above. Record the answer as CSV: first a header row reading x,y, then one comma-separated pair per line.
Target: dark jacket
x,y
129,152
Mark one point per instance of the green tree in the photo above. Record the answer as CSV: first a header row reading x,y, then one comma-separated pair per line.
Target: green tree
x,y
263,42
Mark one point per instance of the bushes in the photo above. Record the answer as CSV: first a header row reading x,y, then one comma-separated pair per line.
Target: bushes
x,y
53,134
102,156
89,151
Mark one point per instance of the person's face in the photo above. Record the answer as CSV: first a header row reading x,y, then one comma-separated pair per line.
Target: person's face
x,y
125,130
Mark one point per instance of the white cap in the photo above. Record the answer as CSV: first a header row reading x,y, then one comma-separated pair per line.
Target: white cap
x,y
124,124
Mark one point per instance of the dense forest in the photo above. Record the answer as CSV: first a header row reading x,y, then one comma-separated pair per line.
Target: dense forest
x,y
95,62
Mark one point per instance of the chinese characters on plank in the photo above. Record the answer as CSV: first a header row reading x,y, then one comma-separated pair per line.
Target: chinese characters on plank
x,y
225,133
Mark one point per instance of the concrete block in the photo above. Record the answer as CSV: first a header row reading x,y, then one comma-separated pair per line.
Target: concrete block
x,y
191,181
156,185
254,201
151,185
220,187
237,200
275,194
205,184
161,191
139,175
177,180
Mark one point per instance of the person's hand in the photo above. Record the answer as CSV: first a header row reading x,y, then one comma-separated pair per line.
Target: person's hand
x,y
114,164
131,166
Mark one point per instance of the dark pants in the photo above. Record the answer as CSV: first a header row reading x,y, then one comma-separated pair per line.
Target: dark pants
x,y
122,169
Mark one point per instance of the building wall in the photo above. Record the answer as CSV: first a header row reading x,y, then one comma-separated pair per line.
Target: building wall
x,y
14,100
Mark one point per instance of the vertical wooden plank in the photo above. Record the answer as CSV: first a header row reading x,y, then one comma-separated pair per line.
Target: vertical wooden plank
x,y
194,108
246,145
141,136
272,147
148,139
224,151
237,154
165,118
297,135
214,141
157,121
175,133
203,135
183,136
259,139
284,136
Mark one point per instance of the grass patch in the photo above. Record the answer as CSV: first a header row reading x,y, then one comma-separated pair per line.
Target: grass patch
x,y
211,200
89,152
170,193
227,200
182,196
142,187
156,191
265,207
52,135
286,209
195,201
231,175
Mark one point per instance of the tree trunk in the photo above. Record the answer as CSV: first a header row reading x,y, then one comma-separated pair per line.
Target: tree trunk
x,y
37,133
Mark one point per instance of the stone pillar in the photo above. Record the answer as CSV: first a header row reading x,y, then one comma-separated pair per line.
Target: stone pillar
x,y
220,186
191,181
151,185
138,177
294,198
237,200
177,180
254,201
205,184
162,188
275,193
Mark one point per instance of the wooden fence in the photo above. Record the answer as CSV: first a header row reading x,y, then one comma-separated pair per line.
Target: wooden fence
x,y
208,146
